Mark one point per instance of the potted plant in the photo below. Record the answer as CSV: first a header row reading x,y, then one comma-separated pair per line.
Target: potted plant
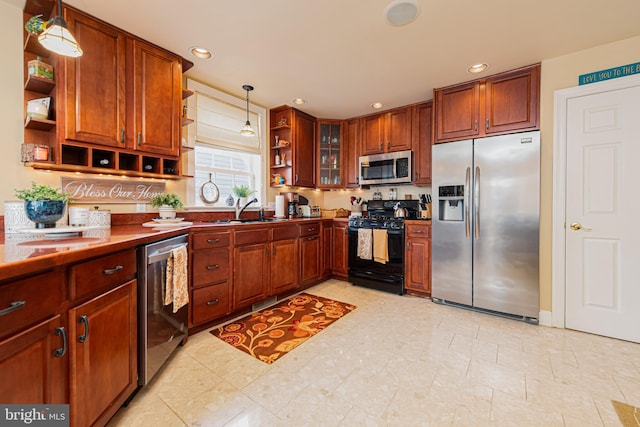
x,y
43,204
167,203
242,192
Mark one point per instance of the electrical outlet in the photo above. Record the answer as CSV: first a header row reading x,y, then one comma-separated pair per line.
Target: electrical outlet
x,y
141,207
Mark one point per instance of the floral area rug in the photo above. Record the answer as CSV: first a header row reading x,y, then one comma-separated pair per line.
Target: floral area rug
x,y
269,334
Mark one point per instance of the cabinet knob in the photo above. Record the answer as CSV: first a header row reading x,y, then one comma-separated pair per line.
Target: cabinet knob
x,y
475,125
122,135
408,246
487,124
139,138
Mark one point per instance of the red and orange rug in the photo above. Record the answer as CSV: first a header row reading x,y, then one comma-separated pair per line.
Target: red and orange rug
x,y
269,334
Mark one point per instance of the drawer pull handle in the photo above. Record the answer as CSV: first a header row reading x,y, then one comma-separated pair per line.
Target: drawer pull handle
x,y
121,135
139,138
113,270
12,307
85,320
214,302
416,231
213,267
311,229
213,240
312,238
61,351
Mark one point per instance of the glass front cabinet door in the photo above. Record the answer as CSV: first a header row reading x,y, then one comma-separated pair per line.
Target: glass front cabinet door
x,y
329,154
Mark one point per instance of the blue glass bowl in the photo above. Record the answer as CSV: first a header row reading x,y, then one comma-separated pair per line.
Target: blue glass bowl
x,y
45,213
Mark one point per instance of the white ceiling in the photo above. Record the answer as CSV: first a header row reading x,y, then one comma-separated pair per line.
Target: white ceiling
x,y
341,55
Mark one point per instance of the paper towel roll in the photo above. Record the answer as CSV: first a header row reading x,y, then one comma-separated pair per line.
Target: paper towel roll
x,y
279,206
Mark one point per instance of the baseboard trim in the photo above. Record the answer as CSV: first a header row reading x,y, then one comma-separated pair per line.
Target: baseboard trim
x,y
545,318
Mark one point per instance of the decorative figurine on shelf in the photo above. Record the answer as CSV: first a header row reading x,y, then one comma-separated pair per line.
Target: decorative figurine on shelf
x,y
36,25
283,121
282,159
229,201
277,138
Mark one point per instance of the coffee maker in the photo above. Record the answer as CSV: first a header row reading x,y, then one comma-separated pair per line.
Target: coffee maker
x,y
292,200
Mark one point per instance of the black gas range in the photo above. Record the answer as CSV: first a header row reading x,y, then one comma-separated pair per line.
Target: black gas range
x,y
366,272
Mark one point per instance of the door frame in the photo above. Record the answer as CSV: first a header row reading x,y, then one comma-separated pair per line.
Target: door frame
x,y
558,247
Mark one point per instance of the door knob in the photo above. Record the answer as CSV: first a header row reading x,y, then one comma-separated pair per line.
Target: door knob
x,y
575,226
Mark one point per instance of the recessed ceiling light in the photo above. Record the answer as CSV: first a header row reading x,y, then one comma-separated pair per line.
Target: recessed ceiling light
x,y
299,101
477,68
401,12
376,105
201,52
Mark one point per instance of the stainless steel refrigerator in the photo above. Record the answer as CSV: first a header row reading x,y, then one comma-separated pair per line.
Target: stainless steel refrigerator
x,y
485,224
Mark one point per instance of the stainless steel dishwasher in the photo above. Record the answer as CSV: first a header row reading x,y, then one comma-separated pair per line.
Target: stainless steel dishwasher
x,y
160,330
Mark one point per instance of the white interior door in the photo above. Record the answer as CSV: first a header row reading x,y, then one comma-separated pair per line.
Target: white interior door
x,y
602,205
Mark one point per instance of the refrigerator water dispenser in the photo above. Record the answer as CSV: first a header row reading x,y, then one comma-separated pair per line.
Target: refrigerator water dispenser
x,y
451,203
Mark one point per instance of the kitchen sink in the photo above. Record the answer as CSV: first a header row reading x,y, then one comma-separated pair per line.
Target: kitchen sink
x,y
244,221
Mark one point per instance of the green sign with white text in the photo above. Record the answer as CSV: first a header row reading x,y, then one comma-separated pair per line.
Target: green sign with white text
x,y
611,73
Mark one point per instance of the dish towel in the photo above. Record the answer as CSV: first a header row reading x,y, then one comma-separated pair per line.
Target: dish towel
x,y
364,243
380,246
177,284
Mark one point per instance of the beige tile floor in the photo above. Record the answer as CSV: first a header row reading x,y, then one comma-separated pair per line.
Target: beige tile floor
x,y
398,361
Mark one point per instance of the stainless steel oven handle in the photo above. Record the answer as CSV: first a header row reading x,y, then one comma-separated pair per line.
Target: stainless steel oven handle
x,y
467,188
161,256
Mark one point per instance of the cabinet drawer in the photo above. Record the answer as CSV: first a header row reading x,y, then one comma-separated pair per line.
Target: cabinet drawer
x,y
27,301
284,233
210,266
415,230
211,302
247,237
309,229
93,277
211,240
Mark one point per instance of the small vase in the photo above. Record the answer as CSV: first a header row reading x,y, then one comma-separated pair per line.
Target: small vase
x,y
45,213
167,212
243,201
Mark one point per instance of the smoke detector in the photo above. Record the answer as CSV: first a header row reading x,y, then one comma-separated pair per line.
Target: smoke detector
x,y
401,12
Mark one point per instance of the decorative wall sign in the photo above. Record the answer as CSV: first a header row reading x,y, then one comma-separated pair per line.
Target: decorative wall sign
x,y
111,190
611,73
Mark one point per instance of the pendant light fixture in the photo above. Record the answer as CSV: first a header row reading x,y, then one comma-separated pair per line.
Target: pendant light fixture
x,y
247,130
57,37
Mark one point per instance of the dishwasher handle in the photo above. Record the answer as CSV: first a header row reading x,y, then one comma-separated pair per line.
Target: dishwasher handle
x,y
161,256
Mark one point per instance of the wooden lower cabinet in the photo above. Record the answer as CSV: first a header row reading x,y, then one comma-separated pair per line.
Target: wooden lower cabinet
x,y
310,253
284,262
417,275
33,364
340,249
251,273
102,355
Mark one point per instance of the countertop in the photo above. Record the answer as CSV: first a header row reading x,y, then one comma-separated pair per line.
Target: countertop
x,y
23,254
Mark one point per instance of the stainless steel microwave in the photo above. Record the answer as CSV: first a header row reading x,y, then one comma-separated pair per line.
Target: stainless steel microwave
x,y
387,168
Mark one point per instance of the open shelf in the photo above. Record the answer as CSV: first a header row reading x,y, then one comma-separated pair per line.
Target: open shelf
x,y
186,121
39,124
40,84
187,93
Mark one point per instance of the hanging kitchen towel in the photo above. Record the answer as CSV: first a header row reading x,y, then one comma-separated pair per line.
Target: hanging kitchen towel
x,y
364,243
177,285
380,246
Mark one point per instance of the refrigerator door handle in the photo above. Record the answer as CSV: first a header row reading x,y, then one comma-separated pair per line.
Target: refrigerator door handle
x,y
467,187
476,202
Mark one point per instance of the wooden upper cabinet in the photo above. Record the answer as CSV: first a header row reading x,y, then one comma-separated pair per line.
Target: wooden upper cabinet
x,y
95,84
351,150
457,112
398,129
421,134
156,102
512,101
304,139
372,135
122,92
503,103
386,132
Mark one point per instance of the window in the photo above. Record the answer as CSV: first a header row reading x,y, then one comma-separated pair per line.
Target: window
x,y
227,168
219,149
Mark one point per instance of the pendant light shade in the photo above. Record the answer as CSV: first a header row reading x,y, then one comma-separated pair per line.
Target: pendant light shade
x,y
57,37
247,130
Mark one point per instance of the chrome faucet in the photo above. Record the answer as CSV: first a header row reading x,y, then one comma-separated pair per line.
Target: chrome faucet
x,y
240,210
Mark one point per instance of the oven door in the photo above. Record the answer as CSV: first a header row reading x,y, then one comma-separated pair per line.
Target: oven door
x,y
386,277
